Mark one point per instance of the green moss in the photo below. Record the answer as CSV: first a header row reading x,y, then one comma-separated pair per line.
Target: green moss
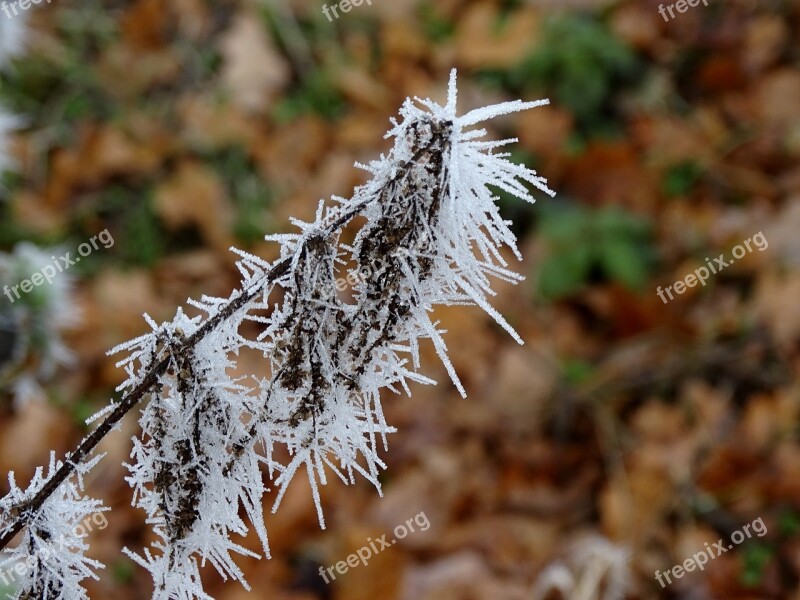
x,y
315,93
576,372
436,27
581,65
251,196
58,89
756,557
593,246
679,179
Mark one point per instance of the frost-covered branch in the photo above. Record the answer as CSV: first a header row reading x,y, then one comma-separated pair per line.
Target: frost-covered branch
x,y
429,234
50,562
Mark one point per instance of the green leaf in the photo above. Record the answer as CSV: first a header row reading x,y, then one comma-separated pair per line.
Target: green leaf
x,y
577,371
681,178
756,557
613,222
584,65
789,523
123,570
564,273
144,235
317,93
608,242
564,225
436,27
82,410
623,262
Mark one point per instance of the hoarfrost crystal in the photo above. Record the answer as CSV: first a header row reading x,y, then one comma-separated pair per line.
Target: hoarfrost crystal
x,y
52,551
430,234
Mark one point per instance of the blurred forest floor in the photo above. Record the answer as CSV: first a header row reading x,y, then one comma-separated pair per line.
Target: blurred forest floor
x,y
186,126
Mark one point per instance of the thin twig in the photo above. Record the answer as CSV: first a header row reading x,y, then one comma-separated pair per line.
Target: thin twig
x,y
133,397
130,400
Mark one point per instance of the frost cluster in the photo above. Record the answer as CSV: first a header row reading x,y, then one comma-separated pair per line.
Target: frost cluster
x,y
430,234
50,561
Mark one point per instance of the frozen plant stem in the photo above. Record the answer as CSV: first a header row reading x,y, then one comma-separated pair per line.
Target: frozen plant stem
x,y
121,408
430,224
